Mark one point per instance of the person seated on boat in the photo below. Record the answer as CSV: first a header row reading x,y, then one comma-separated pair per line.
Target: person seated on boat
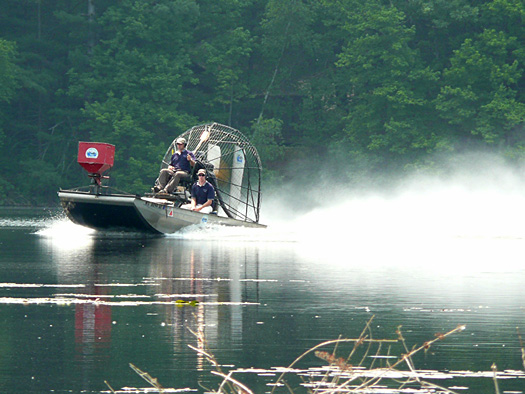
x,y
202,194
179,168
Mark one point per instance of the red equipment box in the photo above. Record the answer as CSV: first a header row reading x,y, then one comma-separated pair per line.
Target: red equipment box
x,y
96,157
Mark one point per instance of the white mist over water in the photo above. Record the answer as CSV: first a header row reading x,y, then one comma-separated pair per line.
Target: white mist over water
x,y
471,220
428,239
482,199
444,227
446,211
438,213
480,202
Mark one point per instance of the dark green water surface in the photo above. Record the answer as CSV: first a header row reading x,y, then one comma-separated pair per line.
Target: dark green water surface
x,y
78,306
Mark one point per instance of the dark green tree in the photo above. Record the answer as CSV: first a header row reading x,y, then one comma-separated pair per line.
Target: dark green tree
x,y
133,85
8,85
8,70
481,93
292,56
440,26
389,89
221,51
378,84
35,130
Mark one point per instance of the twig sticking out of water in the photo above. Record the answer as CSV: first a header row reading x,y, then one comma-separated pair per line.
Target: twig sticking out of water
x,y
148,378
233,385
495,378
228,378
345,365
408,359
340,375
410,363
345,369
144,375
363,338
522,347
111,388
428,344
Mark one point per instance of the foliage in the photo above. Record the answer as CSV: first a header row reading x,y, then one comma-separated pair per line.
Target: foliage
x,y
7,70
133,85
267,137
8,84
380,85
481,87
388,107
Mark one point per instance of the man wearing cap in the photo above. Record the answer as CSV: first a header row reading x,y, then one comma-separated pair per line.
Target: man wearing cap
x,y
202,194
179,168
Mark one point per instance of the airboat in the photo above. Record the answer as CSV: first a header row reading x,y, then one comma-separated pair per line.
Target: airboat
x,y
232,166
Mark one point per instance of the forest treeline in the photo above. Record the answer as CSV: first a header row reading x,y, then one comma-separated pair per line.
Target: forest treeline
x,y
374,84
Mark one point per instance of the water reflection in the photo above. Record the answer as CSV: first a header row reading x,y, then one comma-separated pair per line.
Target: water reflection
x,y
158,277
291,286
191,270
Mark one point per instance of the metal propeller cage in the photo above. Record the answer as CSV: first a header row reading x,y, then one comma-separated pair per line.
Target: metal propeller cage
x,y
233,166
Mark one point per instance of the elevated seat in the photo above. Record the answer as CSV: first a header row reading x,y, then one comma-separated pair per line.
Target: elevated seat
x,y
182,194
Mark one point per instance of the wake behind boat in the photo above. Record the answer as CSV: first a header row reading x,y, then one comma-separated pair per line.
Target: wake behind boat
x,y
232,166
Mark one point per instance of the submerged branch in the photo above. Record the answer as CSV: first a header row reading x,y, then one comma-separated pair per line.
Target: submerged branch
x,y
110,388
522,347
147,377
331,342
232,380
341,375
495,377
427,345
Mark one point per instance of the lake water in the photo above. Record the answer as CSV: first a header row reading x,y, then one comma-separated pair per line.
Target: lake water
x,y
77,306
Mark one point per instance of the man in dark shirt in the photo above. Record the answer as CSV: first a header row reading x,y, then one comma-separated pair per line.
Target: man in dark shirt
x,y
179,168
202,194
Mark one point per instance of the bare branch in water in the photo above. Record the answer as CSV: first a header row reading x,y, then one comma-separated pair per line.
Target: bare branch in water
x,y
235,382
211,358
522,348
356,342
111,388
495,378
355,373
147,377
